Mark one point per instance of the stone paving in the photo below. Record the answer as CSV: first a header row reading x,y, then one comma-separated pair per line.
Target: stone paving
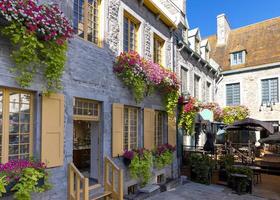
x,y
195,191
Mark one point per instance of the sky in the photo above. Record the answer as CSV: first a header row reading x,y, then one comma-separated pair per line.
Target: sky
x,y
203,13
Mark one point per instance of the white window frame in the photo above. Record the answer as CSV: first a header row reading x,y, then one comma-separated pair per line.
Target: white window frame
x,y
237,61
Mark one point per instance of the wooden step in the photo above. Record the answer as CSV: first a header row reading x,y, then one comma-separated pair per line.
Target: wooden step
x,y
92,187
100,195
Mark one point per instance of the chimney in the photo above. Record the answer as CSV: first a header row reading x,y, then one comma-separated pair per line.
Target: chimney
x,y
223,29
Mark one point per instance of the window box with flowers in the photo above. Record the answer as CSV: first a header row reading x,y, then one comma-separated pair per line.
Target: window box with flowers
x,y
22,177
39,36
163,156
143,77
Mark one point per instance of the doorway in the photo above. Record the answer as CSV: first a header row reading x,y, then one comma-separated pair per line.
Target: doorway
x,y
86,131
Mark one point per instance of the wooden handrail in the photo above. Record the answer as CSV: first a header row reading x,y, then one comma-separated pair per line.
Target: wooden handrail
x,y
75,179
110,184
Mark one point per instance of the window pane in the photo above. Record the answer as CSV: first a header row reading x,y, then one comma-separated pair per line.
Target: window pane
x,y
87,108
270,90
19,123
233,94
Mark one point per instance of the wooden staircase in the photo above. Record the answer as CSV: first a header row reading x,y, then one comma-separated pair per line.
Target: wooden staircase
x,y
79,189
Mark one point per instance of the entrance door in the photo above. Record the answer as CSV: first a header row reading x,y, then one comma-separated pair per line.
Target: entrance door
x,y
86,138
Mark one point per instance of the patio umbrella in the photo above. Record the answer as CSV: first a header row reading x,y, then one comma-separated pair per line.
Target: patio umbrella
x,y
272,139
249,128
250,122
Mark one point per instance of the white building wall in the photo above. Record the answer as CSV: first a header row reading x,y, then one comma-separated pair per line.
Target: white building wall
x,y
250,92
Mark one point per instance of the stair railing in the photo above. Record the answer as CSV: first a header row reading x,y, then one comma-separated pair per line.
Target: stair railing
x,y
113,179
78,186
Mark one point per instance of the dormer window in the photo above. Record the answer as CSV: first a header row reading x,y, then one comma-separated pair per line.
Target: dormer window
x,y
197,45
237,58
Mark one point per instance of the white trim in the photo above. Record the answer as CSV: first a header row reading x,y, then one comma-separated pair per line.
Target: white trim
x,y
210,90
259,87
155,31
140,39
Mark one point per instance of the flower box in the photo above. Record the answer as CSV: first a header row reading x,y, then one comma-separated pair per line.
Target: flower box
x,y
126,161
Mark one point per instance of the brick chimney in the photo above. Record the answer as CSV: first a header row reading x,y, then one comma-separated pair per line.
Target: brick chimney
x,y
223,29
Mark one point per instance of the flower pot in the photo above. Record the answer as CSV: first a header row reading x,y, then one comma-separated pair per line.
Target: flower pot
x,y
9,188
126,161
41,182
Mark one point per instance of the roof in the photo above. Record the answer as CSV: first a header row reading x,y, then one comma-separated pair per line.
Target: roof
x,y
193,32
261,42
204,43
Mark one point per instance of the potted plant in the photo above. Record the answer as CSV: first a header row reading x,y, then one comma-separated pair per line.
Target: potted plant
x,y
201,166
163,156
22,177
225,162
141,166
127,157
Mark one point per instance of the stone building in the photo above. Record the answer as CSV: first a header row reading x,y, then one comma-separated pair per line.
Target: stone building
x,y
96,116
250,60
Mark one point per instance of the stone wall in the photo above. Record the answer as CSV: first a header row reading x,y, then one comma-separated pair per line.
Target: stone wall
x,y
250,92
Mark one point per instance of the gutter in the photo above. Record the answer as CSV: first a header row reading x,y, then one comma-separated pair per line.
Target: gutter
x,y
253,68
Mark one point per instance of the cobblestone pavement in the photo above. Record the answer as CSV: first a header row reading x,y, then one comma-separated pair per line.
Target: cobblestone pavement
x,y
195,191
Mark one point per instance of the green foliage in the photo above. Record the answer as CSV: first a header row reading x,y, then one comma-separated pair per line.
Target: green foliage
x,y
171,101
135,83
28,184
226,161
242,183
3,184
30,54
140,167
201,166
163,160
187,121
234,113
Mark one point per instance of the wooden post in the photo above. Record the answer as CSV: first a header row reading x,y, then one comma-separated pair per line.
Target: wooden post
x,y
78,186
120,185
106,175
85,19
70,182
85,189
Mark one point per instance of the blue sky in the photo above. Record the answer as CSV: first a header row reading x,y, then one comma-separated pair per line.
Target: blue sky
x,y
202,13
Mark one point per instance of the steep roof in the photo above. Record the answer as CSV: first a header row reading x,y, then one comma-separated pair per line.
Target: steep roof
x,y
261,42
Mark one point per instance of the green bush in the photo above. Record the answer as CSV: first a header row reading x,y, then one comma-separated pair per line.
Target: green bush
x,y
201,167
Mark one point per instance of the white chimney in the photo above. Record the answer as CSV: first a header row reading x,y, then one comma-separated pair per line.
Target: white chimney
x,y
223,29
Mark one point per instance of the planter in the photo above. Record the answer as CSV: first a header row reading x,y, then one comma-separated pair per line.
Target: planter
x,y
215,177
126,161
223,176
10,186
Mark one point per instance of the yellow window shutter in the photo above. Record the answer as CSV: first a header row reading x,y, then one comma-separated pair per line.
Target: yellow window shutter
x,y
117,129
149,128
52,144
171,131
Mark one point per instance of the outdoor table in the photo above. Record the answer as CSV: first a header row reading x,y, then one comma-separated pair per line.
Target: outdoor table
x,y
257,173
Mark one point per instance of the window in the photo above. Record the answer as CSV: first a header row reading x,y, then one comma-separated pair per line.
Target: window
x,y
130,128
158,49
132,189
158,128
196,86
184,80
238,58
233,94
15,125
197,45
160,179
208,91
86,19
270,90
86,110
130,29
